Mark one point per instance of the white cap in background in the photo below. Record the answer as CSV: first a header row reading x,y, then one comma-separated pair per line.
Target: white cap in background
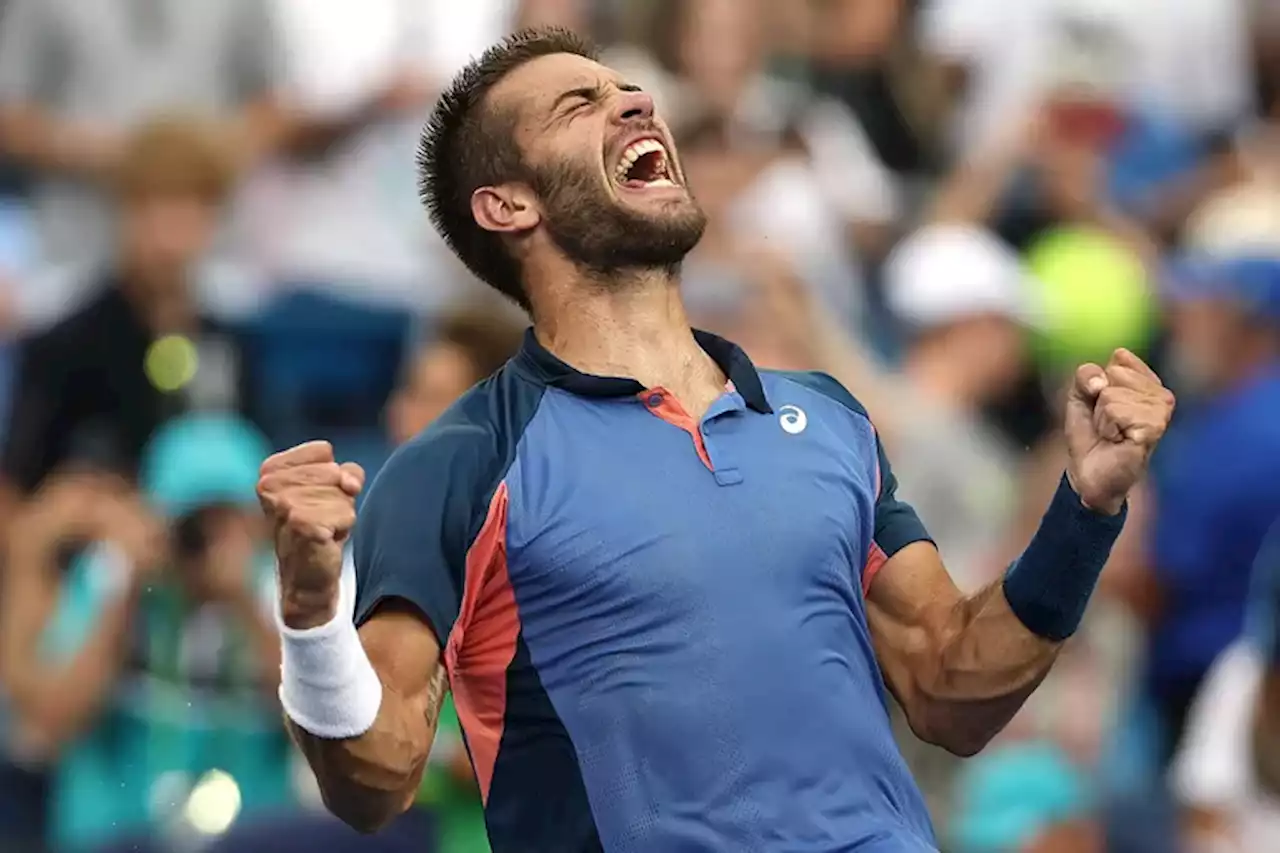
x,y
945,273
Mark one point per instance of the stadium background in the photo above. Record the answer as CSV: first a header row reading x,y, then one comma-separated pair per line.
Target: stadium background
x,y
211,245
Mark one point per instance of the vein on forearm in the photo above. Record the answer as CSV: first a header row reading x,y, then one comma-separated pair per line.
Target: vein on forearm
x,y
988,663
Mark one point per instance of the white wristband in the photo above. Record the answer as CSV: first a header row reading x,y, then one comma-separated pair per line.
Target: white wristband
x,y
327,685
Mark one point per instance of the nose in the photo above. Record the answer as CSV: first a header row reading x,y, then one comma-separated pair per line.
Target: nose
x,y
633,106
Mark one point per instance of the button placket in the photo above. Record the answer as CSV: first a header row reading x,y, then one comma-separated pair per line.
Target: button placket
x,y
715,440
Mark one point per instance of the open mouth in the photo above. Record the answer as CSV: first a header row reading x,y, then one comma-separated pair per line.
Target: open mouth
x,y
644,164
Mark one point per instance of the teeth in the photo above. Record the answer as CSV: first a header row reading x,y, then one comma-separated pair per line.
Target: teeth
x,y
635,151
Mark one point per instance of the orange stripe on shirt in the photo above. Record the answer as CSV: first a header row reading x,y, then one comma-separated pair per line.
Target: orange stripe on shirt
x,y
483,642
876,558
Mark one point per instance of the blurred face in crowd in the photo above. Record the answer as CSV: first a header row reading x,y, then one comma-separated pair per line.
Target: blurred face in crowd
x,y
990,347
720,49
214,549
161,235
439,375
1210,341
607,184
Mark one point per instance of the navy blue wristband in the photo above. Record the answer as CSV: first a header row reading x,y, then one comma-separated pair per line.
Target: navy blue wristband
x,y
1049,586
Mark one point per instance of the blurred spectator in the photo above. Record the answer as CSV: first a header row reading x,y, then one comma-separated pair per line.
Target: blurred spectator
x,y
820,195
864,56
967,304
1216,478
335,212
1227,774
466,345
1187,59
147,672
76,76
469,343
93,388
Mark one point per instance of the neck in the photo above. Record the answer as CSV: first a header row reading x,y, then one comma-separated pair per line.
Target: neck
x,y
158,297
632,324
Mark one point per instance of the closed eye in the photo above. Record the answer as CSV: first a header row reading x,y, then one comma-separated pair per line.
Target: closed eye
x,y
575,99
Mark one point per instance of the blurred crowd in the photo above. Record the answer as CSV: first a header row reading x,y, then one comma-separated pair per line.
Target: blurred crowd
x,y
211,246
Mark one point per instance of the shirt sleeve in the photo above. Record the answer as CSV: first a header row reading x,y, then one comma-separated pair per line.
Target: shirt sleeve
x,y
897,524
423,512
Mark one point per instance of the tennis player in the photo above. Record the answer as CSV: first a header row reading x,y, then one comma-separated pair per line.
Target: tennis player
x,y
670,592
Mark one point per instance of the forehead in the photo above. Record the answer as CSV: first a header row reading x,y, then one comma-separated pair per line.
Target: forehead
x,y
534,87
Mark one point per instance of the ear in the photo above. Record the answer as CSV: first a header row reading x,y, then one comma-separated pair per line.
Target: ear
x,y
506,208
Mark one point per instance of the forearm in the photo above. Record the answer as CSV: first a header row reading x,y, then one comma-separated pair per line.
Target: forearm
x,y
366,741
369,780
56,704
976,186
987,667
997,646
33,138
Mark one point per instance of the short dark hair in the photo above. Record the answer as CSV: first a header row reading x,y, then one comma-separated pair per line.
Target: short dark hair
x,y
466,145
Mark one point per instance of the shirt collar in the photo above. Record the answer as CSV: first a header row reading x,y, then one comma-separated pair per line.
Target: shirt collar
x,y
536,362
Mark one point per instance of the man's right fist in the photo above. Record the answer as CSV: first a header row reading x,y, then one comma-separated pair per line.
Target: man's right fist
x,y
311,502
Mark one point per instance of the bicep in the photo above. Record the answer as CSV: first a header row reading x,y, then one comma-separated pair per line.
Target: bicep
x,y
406,655
910,604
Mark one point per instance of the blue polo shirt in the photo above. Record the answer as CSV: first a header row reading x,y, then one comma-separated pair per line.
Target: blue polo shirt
x,y
654,625
1216,484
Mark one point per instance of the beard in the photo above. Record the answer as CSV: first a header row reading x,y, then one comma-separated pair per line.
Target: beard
x,y
602,234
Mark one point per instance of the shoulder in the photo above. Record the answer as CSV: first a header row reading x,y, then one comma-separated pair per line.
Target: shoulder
x,y
822,385
427,508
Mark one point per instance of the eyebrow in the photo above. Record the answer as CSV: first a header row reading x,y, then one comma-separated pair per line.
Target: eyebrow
x,y
590,93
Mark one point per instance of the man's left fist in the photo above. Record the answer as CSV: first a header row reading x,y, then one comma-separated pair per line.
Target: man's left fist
x,y
1115,418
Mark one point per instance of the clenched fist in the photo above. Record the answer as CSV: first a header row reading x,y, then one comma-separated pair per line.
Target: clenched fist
x,y
1116,416
311,502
